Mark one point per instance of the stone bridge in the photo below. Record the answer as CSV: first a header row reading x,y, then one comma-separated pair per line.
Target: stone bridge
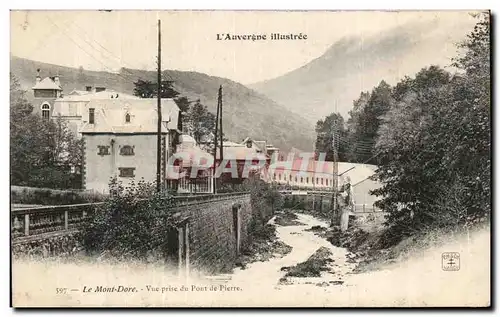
x,y
318,203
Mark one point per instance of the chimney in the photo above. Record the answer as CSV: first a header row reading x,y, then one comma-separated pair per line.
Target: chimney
x,y
88,88
56,80
38,78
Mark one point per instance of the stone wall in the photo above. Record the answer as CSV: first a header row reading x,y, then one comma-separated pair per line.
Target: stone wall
x,y
213,240
318,205
60,244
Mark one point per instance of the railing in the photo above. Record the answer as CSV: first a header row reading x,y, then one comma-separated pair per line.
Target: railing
x,y
27,222
42,220
358,208
200,198
306,191
366,208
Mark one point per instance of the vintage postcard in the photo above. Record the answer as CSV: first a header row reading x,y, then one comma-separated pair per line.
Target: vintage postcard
x,y
250,158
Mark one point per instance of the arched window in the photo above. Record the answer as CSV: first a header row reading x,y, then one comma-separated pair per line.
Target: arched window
x,y
46,111
327,182
127,118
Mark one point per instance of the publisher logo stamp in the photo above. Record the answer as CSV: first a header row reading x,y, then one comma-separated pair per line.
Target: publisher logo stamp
x,y
450,261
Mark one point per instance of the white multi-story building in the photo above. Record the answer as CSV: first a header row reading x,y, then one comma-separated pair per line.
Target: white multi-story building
x,y
120,140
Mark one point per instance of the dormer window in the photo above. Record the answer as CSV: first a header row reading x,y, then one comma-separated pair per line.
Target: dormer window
x,y
127,117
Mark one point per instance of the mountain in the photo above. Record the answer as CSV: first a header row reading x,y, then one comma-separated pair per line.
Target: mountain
x,y
354,64
246,113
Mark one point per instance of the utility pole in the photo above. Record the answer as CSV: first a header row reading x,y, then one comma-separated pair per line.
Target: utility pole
x,y
215,141
335,175
158,95
220,123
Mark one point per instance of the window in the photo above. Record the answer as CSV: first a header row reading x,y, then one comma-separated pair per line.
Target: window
x,y
274,176
91,115
127,150
317,180
127,171
279,176
103,150
301,180
307,180
46,111
295,178
127,118
321,180
326,182
72,111
290,177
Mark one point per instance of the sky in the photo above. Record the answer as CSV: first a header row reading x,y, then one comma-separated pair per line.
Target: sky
x,y
98,40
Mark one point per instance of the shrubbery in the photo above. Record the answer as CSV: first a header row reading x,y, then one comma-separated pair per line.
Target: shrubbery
x,y
265,198
47,196
132,223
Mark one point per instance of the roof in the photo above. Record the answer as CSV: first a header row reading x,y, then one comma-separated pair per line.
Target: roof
x,y
261,145
355,171
82,95
47,83
236,151
110,116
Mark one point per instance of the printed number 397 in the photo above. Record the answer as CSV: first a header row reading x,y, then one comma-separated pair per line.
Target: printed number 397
x,y
61,290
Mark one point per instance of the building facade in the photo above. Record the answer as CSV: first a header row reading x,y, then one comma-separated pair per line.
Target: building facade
x,y
120,141
46,91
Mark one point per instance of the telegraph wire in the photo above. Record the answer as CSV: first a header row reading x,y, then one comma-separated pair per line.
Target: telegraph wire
x,y
89,54
44,40
100,52
127,79
111,53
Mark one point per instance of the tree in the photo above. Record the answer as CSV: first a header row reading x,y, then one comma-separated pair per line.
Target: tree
x,y
201,124
358,147
81,78
325,130
184,104
44,153
409,155
434,144
149,89
364,122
